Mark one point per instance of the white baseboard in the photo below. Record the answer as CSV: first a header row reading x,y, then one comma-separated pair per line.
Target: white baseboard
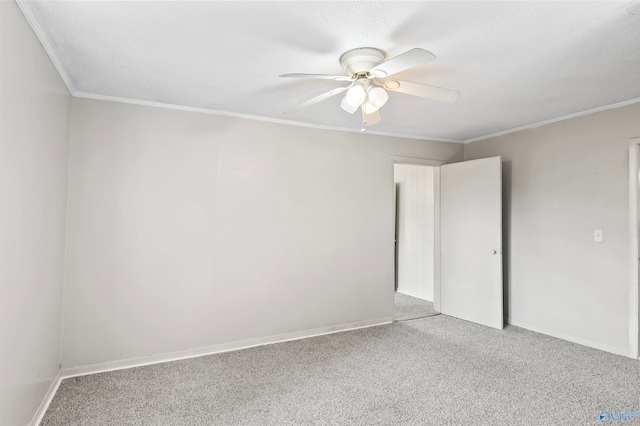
x,y
269,340
39,414
214,349
408,293
569,337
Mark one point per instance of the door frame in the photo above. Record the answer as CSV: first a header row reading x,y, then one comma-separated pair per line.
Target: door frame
x,y
634,249
436,223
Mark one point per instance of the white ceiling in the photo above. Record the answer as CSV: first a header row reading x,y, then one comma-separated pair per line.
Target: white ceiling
x,y
515,63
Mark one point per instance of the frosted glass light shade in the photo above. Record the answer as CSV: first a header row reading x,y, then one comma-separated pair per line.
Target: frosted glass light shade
x,y
355,96
348,107
377,96
369,108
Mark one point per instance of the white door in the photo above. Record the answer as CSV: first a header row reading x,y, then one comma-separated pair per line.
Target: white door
x,y
471,241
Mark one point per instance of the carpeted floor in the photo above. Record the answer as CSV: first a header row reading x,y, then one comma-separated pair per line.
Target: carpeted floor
x,y
431,371
408,307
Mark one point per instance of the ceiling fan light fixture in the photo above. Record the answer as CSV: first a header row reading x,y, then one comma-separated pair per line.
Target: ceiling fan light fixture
x,y
345,105
355,96
377,96
369,108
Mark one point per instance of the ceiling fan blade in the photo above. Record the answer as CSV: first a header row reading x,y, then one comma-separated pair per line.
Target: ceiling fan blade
x,y
318,98
409,59
423,90
371,119
321,76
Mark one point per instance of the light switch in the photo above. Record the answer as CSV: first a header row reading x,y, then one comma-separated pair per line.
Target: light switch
x,y
597,235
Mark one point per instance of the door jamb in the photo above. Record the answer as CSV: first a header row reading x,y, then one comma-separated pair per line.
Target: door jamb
x,y
634,252
436,221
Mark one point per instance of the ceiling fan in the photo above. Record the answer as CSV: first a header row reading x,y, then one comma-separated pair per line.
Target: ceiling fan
x,y
367,71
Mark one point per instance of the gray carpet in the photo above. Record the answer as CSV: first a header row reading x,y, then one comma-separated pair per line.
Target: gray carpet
x,y
408,308
431,371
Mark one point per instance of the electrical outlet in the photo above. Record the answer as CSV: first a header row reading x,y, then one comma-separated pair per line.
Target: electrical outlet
x,y
597,235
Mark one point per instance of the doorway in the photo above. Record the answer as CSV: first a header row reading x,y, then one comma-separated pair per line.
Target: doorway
x,y
415,239
466,252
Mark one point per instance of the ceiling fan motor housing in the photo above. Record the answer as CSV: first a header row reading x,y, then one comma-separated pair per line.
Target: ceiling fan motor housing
x,y
361,60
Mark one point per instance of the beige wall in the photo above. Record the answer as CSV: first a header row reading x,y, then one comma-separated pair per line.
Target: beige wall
x,y
562,181
34,138
188,230
415,222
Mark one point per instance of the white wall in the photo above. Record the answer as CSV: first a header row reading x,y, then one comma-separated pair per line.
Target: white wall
x,y
34,139
415,197
188,230
562,181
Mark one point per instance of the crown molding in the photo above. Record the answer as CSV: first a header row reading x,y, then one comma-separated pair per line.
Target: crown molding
x,y
253,117
26,11
555,120
23,5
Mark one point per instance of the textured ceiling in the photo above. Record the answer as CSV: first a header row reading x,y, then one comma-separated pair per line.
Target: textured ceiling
x,y
515,63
